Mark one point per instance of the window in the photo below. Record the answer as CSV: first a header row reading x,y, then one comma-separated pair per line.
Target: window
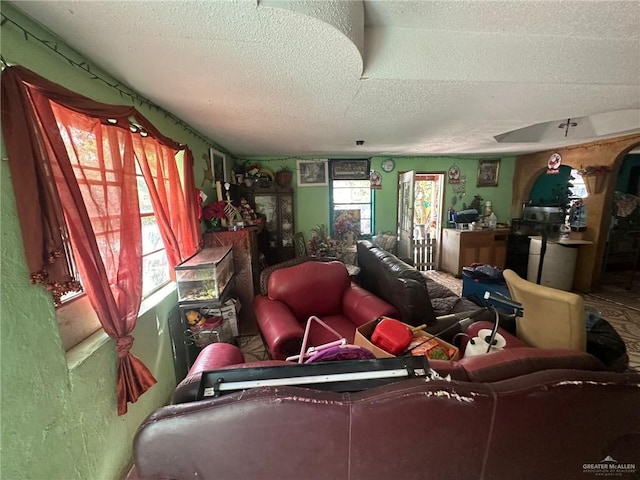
x,y
95,175
82,146
351,207
87,186
155,265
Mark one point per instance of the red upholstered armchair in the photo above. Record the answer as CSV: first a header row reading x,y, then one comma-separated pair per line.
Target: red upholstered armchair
x,y
323,289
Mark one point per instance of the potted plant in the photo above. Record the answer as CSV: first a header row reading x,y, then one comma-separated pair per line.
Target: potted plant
x,y
213,215
284,176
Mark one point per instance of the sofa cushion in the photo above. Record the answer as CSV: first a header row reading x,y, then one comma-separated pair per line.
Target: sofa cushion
x,y
385,241
311,288
403,269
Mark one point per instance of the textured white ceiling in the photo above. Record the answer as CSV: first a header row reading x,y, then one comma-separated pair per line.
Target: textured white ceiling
x,y
408,77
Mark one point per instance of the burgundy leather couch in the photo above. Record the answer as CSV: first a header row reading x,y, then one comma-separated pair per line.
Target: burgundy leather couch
x,y
488,421
322,289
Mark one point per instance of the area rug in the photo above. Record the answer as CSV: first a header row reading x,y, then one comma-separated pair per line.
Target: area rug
x,y
622,288
253,348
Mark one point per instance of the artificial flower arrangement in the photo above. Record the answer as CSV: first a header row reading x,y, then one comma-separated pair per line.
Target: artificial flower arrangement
x,y
320,244
347,221
213,214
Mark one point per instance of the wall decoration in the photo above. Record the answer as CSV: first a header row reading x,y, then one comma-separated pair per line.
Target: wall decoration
x,y
313,173
376,180
350,169
554,162
488,173
460,187
453,174
218,166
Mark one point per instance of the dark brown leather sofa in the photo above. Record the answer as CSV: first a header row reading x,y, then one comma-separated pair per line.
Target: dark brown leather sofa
x,y
547,424
419,300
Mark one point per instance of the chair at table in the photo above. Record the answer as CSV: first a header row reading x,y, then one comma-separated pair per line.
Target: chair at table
x,y
552,318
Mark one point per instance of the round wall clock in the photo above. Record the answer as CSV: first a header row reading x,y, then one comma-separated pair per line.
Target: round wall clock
x,y
388,165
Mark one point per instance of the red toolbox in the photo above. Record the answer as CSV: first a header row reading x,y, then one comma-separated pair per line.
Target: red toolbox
x,y
391,335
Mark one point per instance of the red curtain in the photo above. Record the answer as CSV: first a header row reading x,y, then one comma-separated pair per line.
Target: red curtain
x,y
101,210
157,162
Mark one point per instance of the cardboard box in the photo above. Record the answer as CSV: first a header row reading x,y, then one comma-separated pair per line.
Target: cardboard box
x,y
229,312
363,339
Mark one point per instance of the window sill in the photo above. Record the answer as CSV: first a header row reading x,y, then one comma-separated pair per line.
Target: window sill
x,y
155,298
79,353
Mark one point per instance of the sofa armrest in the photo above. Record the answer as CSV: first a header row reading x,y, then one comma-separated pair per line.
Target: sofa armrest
x,y
281,330
361,306
212,357
514,362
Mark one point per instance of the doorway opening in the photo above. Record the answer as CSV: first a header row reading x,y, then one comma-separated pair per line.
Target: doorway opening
x,y
420,200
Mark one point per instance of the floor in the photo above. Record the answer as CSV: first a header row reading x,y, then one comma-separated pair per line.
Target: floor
x,y
253,348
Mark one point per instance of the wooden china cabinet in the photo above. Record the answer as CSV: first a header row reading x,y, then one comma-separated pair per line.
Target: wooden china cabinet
x,y
276,204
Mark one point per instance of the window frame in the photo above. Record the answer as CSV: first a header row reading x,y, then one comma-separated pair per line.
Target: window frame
x,y
332,202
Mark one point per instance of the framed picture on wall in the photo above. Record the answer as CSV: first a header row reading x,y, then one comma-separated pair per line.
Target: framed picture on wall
x,y
488,173
312,173
218,166
350,169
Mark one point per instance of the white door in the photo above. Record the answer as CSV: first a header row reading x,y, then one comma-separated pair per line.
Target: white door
x,y
405,214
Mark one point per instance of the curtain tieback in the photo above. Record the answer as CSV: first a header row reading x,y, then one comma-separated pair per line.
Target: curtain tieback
x,y
123,345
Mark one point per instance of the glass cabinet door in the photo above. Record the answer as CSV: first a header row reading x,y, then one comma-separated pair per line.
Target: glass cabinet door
x,y
268,206
286,225
277,205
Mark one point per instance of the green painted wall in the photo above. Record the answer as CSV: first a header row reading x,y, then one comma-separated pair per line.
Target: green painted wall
x,y
312,203
59,419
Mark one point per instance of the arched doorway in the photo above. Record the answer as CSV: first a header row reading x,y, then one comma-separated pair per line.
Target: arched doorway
x,y
604,153
621,263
